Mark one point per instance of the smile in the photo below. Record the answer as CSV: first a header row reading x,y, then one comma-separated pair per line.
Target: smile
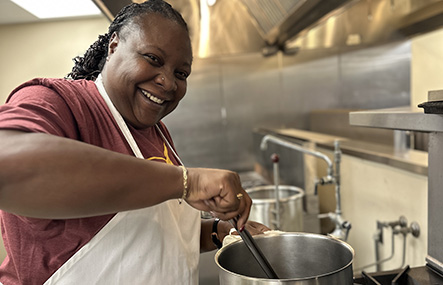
x,y
152,97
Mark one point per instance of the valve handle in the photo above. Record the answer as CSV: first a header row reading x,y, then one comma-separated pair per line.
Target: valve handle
x,y
275,158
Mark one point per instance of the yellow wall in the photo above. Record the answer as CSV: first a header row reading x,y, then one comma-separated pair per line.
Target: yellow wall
x,y
43,49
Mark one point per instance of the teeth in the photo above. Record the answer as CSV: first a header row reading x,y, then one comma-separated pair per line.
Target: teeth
x,y
152,98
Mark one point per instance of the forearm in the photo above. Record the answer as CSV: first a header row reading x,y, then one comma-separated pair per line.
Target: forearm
x,y
50,177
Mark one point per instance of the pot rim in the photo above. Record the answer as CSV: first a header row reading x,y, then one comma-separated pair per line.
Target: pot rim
x,y
272,187
319,236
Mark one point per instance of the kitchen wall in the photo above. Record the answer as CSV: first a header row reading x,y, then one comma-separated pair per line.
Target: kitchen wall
x,y
372,192
43,49
229,96
427,66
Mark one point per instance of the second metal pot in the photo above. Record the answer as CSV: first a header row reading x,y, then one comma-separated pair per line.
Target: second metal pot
x,y
290,218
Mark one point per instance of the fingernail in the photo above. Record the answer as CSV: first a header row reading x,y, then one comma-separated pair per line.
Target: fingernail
x,y
242,228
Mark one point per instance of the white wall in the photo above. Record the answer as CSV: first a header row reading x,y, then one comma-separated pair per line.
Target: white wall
x,y
374,192
427,66
43,49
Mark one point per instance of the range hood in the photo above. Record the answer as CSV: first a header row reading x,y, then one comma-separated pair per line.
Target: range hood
x,y
241,26
229,27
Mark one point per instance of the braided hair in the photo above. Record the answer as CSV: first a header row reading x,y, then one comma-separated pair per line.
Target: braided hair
x,y
91,63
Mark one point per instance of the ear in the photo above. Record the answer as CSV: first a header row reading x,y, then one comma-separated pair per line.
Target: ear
x,y
113,43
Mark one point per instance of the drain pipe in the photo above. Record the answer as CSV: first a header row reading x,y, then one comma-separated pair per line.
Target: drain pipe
x,y
276,212
341,227
414,229
398,227
383,260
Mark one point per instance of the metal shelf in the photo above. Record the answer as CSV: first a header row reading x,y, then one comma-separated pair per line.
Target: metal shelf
x,y
402,118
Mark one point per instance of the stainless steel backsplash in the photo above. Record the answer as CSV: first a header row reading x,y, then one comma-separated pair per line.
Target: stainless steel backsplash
x,y
229,96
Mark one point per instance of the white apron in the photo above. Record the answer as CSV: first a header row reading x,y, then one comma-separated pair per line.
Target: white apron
x,y
154,245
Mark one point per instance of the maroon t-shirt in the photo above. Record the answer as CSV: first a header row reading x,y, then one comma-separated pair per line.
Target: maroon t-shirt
x,y
36,248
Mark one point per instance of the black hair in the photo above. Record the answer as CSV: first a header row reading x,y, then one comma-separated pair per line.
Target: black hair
x,y
91,63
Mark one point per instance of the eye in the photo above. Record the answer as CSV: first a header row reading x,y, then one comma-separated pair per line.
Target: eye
x,y
153,59
182,75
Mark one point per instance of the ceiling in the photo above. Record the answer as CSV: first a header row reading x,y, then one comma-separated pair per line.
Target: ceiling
x,y
10,13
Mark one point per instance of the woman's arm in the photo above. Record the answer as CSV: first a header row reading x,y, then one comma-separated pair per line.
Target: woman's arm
x,y
46,176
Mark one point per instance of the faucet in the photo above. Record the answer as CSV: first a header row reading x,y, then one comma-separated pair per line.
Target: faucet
x,y
342,227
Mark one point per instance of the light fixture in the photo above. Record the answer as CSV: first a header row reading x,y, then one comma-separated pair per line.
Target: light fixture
x,y
45,9
210,2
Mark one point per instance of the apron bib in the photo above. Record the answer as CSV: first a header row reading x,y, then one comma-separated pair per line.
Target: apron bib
x,y
154,245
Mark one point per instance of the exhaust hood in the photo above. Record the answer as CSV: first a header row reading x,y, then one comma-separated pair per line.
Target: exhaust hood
x,y
240,26
280,20
230,27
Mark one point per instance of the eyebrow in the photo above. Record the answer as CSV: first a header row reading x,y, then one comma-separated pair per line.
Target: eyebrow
x,y
186,63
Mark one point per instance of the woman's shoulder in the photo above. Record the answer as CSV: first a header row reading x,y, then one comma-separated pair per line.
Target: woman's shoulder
x,y
62,87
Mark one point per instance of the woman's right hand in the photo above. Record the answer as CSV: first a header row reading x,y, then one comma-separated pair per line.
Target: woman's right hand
x,y
218,192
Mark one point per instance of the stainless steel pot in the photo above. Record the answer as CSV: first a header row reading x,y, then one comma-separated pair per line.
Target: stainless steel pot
x,y
290,218
297,258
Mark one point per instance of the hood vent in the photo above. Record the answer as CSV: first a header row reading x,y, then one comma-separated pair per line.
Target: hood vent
x,y
280,20
233,27
269,15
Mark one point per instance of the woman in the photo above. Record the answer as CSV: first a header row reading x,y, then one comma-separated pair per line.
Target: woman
x,y
84,198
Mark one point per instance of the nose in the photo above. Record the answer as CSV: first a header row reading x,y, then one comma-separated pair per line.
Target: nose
x,y
168,82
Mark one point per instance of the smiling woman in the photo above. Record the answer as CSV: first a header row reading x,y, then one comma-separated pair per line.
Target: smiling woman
x,y
146,69
87,165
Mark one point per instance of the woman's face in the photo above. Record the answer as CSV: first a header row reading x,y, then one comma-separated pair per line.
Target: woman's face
x,y
147,68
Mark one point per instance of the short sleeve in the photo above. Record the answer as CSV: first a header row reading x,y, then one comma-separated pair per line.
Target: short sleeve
x,y
37,108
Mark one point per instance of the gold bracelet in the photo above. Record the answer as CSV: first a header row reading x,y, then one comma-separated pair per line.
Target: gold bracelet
x,y
185,184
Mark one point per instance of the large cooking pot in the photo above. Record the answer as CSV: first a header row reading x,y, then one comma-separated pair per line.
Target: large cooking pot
x,y
297,258
264,207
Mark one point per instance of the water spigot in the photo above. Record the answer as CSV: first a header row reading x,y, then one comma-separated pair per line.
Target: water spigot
x,y
414,229
328,179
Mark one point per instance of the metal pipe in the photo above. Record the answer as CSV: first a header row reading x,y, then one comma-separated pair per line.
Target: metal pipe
x,y
267,138
377,240
383,260
337,160
398,227
341,227
276,222
404,252
414,229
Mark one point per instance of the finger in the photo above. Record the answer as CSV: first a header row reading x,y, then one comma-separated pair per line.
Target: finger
x,y
244,211
225,216
256,228
228,203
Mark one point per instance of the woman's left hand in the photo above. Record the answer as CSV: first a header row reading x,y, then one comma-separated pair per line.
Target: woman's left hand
x,y
255,228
